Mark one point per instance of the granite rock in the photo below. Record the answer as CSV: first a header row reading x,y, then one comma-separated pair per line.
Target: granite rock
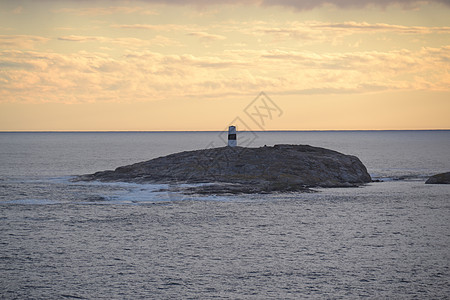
x,y
245,170
443,178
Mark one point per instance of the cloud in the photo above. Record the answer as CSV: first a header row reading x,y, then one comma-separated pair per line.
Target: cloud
x,y
308,4
32,76
187,60
21,41
162,41
308,32
313,31
304,4
371,61
127,42
379,27
207,36
159,27
99,11
133,43
78,38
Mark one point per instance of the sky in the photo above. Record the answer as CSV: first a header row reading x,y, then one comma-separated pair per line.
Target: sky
x,y
117,65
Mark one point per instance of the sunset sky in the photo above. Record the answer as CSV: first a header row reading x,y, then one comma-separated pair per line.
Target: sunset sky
x,y
199,64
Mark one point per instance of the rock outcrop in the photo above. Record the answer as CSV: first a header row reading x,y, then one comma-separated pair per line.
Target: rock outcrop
x,y
246,170
443,178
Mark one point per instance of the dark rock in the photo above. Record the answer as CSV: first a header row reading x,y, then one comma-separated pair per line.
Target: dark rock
x,y
246,170
443,178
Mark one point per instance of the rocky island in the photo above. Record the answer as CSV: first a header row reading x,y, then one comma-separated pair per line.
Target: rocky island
x,y
245,170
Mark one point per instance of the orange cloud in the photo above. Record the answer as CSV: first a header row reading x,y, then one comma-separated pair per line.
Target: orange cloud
x,y
21,41
127,42
303,4
145,75
311,32
99,11
158,27
207,36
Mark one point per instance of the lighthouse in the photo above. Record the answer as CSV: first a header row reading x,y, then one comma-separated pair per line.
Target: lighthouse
x,y
232,141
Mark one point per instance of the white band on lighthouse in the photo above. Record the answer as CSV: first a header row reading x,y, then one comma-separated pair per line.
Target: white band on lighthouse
x,y
232,141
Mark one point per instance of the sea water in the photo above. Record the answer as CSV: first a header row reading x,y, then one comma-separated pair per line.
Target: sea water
x,y
90,240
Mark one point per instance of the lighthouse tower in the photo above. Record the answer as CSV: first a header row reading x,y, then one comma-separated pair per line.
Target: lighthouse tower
x,y
232,141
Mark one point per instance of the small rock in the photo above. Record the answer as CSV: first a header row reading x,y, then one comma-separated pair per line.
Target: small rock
x,y
443,178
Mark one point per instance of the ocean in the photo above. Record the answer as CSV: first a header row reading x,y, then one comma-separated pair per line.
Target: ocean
x,y
88,240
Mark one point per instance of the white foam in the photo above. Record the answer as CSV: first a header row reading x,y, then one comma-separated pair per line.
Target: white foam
x,y
133,193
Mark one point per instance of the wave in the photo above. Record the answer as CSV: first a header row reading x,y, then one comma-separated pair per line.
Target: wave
x,y
62,190
397,177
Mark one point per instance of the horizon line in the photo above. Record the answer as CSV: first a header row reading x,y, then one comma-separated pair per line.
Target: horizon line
x,y
168,131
